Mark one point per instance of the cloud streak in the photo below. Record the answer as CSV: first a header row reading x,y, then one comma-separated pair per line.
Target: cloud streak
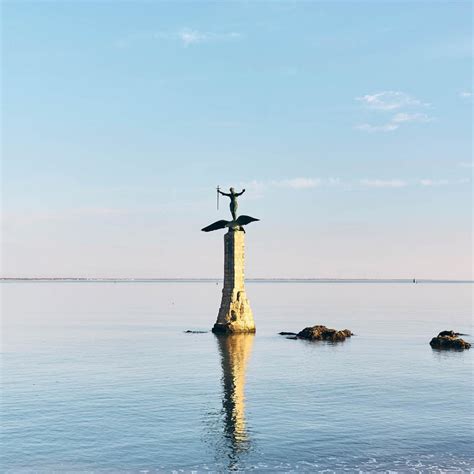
x,y
185,36
189,37
405,110
367,127
389,100
383,183
298,183
257,188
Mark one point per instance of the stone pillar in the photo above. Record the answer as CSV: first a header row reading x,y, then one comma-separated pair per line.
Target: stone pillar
x,y
235,315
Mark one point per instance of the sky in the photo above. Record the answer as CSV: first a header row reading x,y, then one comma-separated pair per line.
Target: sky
x,y
349,124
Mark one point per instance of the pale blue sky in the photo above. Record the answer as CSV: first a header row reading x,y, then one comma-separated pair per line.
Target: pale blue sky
x,y
349,124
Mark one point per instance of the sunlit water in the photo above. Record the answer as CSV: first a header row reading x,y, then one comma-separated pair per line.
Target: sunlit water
x,y
101,377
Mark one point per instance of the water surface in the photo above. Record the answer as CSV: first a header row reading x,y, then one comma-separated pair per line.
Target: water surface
x,y
101,377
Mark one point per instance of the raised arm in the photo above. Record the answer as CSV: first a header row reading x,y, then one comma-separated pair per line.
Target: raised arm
x,y
224,194
241,192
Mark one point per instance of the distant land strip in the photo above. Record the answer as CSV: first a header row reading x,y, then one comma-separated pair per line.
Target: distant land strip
x,y
217,280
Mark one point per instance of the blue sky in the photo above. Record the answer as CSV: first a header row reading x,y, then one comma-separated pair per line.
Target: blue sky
x,y
349,125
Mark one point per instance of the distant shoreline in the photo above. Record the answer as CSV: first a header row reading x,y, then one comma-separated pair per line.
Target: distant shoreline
x,y
217,280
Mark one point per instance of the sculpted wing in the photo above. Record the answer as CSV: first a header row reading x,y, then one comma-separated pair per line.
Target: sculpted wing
x,y
244,220
216,225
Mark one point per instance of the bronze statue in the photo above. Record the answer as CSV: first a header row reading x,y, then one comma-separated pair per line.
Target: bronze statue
x,y
233,200
236,223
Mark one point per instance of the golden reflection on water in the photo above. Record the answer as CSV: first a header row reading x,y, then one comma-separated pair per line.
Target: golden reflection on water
x,y
235,351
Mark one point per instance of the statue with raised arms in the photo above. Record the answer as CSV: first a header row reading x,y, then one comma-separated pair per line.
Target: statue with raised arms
x,y
236,223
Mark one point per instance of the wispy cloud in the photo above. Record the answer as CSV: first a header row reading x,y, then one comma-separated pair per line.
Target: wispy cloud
x,y
465,95
404,117
298,183
388,102
185,36
189,36
466,164
383,183
442,182
433,182
61,215
257,188
366,127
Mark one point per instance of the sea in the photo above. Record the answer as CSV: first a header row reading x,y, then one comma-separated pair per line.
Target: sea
x,y
102,377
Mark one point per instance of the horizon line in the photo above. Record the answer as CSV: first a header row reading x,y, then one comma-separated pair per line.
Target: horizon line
x,y
218,279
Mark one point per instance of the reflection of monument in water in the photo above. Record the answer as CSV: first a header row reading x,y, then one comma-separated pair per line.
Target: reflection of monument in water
x,y
235,315
235,351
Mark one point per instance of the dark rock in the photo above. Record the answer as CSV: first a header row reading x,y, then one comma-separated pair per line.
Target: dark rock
x,y
322,333
448,333
449,340
195,332
292,338
284,333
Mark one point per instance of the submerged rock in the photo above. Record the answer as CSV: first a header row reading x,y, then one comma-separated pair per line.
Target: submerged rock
x,y
195,332
322,333
285,333
449,340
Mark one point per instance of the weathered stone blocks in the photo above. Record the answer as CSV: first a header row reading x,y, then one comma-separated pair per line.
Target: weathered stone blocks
x,y
235,315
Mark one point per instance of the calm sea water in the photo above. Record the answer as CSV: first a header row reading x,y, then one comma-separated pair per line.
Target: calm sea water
x,y
100,377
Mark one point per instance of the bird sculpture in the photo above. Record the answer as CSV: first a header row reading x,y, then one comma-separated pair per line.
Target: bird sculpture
x,y
232,225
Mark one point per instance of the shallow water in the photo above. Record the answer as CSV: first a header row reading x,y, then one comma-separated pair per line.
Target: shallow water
x,y
101,377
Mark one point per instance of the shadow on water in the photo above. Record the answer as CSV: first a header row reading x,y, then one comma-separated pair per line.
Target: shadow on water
x,y
234,351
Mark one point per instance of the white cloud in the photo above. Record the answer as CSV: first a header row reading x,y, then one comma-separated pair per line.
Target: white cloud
x,y
189,36
389,100
68,214
298,183
466,164
403,117
383,183
465,94
433,182
388,127
256,189
334,181
443,182
186,36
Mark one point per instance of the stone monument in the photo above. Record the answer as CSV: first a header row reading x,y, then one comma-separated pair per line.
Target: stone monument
x,y
235,315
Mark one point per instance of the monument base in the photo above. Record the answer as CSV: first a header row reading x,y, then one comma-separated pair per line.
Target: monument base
x,y
221,329
235,315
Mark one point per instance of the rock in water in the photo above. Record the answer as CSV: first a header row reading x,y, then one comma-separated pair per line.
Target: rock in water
x,y
449,340
449,333
322,333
